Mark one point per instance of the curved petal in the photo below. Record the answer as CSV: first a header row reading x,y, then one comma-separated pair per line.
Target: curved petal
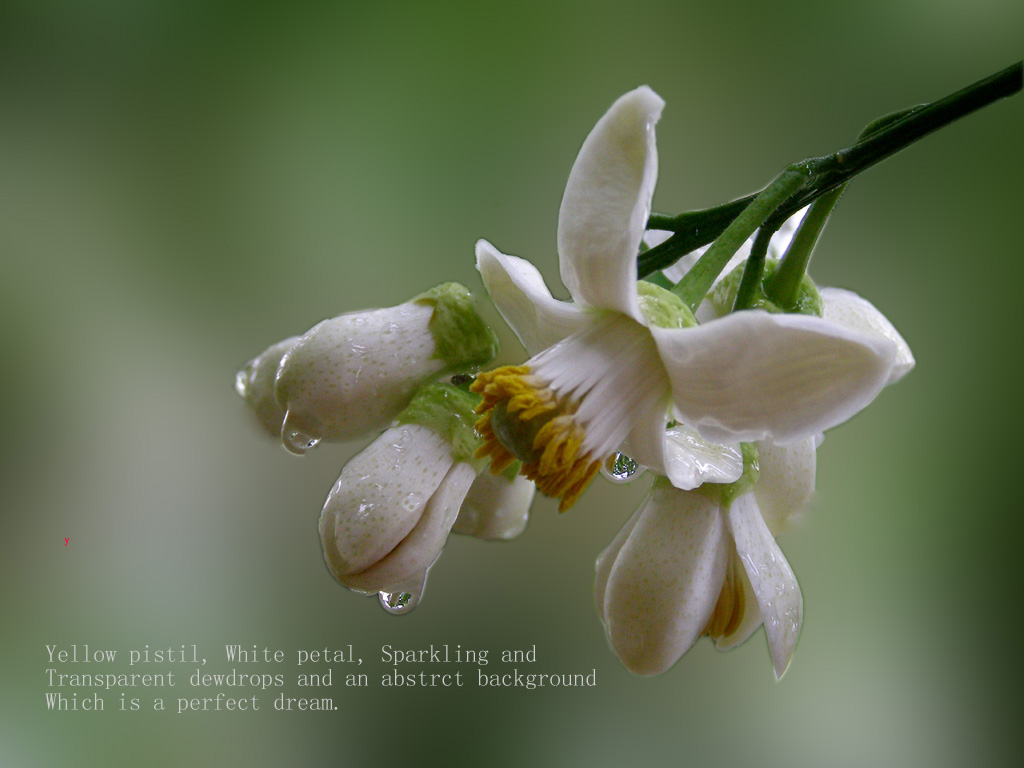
x,y
496,507
255,383
775,586
606,560
606,204
665,581
852,311
786,483
518,291
380,496
646,443
751,374
415,553
751,617
692,460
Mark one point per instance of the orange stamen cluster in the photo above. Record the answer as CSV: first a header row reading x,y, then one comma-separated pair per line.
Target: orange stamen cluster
x,y
728,613
554,462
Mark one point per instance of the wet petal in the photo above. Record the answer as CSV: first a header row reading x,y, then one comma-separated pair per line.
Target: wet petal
x,y
255,383
607,202
692,460
752,374
786,483
518,291
774,583
665,580
420,548
751,617
380,497
852,311
496,507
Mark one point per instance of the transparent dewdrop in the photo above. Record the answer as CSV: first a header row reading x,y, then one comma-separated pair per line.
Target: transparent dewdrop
x,y
349,376
388,516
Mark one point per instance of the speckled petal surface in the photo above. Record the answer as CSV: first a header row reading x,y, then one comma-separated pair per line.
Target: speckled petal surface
x,y
665,580
350,375
380,496
496,507
786,483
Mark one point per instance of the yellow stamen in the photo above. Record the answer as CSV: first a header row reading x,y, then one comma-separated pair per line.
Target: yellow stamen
x,y
537,428
728,613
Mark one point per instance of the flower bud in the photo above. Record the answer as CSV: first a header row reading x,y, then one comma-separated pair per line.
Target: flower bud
x,y
351,375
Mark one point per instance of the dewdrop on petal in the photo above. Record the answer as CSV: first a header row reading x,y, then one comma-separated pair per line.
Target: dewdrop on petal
x,y
255,384
389,514
350,375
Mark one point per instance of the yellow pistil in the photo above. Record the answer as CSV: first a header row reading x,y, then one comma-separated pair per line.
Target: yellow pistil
x,y
728,613
520,417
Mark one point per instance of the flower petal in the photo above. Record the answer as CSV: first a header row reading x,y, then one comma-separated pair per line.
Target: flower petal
x,y
665,580
420,548
255,383
786,483
852,311
518,291
380,496
775,586
495,507
692,460
607,202
751,617
753,374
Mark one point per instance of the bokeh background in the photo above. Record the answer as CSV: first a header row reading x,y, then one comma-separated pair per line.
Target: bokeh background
x,y
183,183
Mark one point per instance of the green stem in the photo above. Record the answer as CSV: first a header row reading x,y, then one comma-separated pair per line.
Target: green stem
x,y
747,291
698,281
782,286
694,229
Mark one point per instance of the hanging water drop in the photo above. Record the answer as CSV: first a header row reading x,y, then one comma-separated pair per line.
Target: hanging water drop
x,y
403,597
295,440
619,468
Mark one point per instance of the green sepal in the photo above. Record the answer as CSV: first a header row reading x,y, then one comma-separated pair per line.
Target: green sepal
x,y
662,308
461,338
448,411
808,300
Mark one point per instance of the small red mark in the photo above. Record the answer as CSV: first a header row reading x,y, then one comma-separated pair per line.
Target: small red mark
x,y
66,540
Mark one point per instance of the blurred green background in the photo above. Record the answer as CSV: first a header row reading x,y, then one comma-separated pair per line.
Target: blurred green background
x,y
183,183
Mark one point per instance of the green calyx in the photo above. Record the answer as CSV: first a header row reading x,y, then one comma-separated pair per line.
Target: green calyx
x,y
662,308
448,411
461,338
808,300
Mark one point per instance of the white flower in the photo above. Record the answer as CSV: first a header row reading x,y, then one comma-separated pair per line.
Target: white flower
x,y
350,375
607,367
690,563
388,516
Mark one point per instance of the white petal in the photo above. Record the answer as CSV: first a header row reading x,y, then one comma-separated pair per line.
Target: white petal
x,y
752,374
518,291
646,443
665,581
775,586
496,508
607,202
852,311
351,375
420,548
692,460
786,483
255,383
380,497
655,237
751,617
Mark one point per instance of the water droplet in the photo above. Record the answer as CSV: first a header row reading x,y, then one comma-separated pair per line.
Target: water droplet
x,y
295,440
403,597
619,468
413,501
243,378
